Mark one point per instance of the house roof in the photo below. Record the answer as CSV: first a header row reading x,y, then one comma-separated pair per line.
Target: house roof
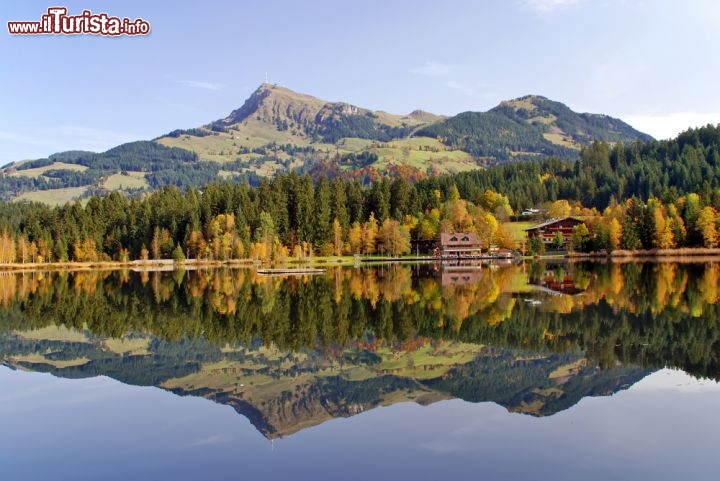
x,y
459,239
553,221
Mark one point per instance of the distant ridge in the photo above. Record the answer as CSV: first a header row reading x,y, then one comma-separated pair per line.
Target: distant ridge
x,y
277,130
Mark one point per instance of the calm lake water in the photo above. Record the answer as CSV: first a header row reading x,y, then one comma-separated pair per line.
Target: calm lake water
x,y
532,371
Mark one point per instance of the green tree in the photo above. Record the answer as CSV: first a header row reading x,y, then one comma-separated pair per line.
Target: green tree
x,y
178,255
580,240
536,246
322,216
265,233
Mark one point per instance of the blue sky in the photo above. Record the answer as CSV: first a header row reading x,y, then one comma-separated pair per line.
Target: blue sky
x,y
652,63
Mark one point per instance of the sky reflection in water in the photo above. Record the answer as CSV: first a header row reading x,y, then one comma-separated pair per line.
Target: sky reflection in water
x,y
664,427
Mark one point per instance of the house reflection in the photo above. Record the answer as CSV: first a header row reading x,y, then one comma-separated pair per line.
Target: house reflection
x,y
460,275
557,282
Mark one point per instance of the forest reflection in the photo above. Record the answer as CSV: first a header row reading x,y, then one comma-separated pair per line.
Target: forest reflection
x,y
648,314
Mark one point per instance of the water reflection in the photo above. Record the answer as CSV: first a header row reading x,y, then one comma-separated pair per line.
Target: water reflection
x,y
289,353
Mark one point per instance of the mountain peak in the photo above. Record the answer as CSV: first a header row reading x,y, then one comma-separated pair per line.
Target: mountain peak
x,y
530,103
306,117
423,116
528,126
269,100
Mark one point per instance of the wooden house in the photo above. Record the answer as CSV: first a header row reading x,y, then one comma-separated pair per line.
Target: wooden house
x,y
548,230
460,245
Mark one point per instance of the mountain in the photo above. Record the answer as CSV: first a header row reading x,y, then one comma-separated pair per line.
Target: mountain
x,y
282,392
307,117
528,126
277,129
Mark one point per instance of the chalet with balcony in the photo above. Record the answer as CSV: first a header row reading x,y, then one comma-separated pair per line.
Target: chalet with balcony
x,y
547,230
460,245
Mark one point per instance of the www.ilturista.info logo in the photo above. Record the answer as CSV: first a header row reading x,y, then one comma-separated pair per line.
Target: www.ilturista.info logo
x,y
58,22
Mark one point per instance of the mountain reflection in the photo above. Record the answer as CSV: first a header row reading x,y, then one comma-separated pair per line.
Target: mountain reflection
x,y
291,352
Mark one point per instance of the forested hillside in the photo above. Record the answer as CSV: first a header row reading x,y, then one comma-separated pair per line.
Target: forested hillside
x,y
277,131
665,169
161,166
528,127
652,194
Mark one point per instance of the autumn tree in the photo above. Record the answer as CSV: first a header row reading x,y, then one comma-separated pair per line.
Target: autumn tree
x,y
265,237
355,238
486,226
7,248
337,234
662,232
615,233
370,232
559,209
457,214
223,237
706,225
394,237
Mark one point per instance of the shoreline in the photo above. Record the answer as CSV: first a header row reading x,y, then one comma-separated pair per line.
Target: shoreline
x,y
680,252
159,265
697,254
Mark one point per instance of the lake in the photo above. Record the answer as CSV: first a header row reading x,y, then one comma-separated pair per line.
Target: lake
x,y
416,371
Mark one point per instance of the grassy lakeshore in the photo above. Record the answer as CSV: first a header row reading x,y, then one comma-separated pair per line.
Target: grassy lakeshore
x,y
699,254
682,252
169,264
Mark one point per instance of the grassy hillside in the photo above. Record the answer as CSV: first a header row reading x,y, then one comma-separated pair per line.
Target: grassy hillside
x,y
528,127
277,130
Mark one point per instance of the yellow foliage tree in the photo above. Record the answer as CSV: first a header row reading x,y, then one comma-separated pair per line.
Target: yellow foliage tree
x,y
663,235
355,238
7,248
559,209
337,234
615,231
486,226
706,225
370,231
394,237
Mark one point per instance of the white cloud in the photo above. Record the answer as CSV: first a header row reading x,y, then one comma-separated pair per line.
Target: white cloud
x,y
201,85
546,6
667,126
433,69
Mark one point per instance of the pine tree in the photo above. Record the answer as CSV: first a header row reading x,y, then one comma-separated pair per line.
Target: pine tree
x,y
322,220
